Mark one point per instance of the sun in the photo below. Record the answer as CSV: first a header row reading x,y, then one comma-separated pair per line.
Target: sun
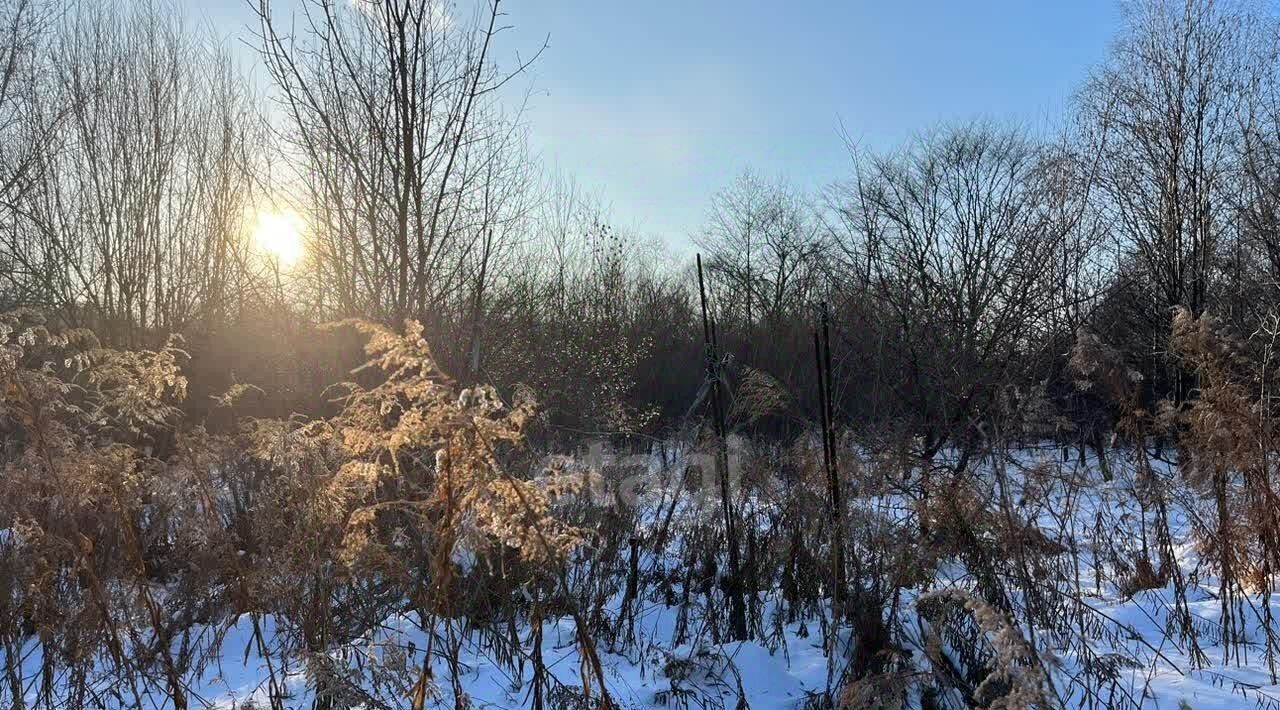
x,y
279,234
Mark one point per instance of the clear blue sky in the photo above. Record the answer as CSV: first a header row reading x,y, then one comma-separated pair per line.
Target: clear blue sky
x,y
657,104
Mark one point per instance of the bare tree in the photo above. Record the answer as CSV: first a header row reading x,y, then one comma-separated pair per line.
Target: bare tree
x,y
1164,114
502,217
26,122
761,239
1257,202
137,220
957,235
392,119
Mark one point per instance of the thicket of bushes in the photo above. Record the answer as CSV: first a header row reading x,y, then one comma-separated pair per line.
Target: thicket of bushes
x,y
135,538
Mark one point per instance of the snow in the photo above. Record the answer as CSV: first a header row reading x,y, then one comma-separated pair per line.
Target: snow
x,y
1154,669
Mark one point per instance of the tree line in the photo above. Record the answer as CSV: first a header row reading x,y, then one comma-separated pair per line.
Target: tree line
x,y
957,267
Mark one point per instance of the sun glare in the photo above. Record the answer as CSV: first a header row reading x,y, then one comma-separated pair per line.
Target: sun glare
x,y
279,234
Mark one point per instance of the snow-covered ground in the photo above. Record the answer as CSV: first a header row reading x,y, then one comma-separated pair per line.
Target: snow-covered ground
x,y
781,677
1130,642
776,678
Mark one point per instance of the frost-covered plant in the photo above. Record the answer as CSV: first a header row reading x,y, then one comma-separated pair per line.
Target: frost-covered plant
x,y
1228,453
131,542
438,450
82,425
404,489
1015,677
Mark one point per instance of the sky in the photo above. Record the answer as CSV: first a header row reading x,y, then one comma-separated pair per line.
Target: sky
x,y
655,105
